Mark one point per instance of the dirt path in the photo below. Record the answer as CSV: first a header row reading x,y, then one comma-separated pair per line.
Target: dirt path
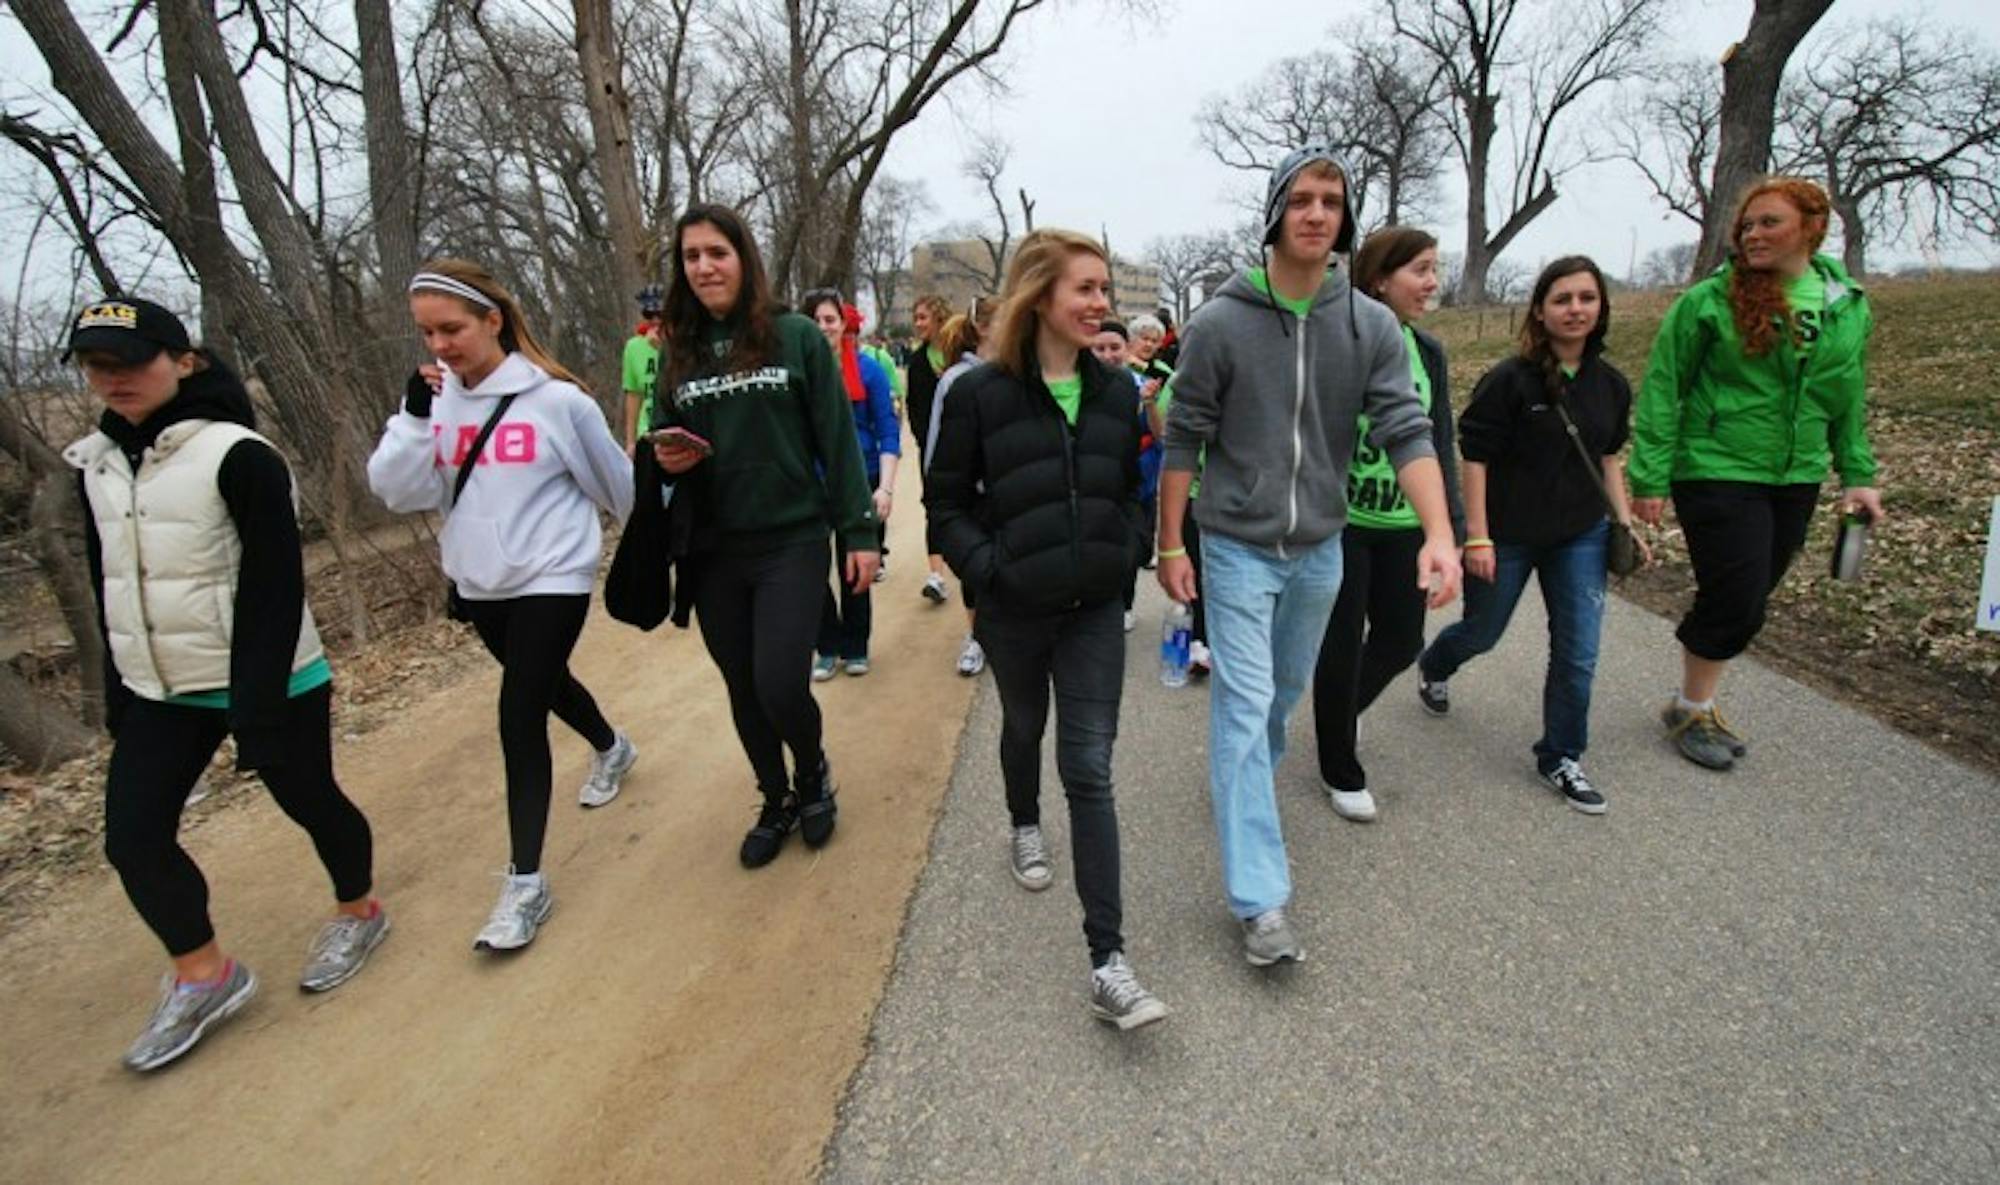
x,y
679,1018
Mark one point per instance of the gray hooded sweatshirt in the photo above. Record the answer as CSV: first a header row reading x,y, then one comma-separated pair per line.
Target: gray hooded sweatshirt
x,y
1265,404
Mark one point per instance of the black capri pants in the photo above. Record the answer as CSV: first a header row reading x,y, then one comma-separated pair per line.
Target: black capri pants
x,y
1741,537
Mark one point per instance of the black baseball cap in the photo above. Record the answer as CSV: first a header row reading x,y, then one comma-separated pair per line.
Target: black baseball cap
x,y
133,331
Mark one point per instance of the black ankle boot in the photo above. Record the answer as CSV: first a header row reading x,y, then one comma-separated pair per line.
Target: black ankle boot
x,y
816,806
775,821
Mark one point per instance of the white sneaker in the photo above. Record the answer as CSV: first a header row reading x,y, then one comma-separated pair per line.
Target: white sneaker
x,y
1198,660
972,659
607,772
1131,621
1357,806
525,903
934,589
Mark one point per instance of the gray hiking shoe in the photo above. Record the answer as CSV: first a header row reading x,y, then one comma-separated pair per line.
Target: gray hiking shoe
x,y
1700,736
1116,996
525,903
185,1013
607,772
342,946
1028,858
1268,939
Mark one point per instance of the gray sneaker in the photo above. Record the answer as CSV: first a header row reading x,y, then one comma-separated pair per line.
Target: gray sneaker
x,y
342,946
1116,996
525,903
185,1013
1268,939
607,772
1701,737
1028,857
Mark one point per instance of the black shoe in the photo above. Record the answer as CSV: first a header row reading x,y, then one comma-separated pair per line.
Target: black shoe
x,y
775,820
817,808
1434,695
1567,777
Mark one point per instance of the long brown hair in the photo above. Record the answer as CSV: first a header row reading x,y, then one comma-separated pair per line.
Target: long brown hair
x,y
754,336
515,335
1386,252
958,337
1535,345
1757,297
1037,264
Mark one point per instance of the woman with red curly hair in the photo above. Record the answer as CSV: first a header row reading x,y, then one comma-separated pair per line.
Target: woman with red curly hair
x,y
1754,390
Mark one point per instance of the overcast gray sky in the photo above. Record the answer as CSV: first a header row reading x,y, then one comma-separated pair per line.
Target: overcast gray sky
x,y
1100,111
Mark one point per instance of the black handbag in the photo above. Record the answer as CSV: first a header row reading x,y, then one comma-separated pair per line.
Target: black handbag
x,y
639,588
1621,547
454,605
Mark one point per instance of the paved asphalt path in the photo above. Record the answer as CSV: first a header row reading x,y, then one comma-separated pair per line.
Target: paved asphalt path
x,y
1790,972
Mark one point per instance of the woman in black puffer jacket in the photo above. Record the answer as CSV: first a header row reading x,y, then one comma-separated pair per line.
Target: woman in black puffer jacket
x,y
1033,497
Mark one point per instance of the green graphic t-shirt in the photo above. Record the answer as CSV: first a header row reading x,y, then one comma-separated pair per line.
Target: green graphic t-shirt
x,y
1807,296
1069,395
642,368
1259,280
1373,497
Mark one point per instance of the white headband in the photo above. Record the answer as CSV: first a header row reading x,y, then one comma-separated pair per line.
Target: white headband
x,y
437,283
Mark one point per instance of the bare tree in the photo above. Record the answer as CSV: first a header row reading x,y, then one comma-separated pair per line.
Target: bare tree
x,y
1668,132
1896,114
883,250
1485,56
1190,264
604,96
1667,267
1752,70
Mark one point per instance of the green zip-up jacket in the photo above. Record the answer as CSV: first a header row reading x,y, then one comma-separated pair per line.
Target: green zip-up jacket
x,y
787,466
1710,412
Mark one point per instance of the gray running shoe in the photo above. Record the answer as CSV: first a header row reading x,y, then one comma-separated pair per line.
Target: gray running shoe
x,y
1116,996
185,1013
1701,737
1268,939
343,945
607,772
525,903
1028,857
972,659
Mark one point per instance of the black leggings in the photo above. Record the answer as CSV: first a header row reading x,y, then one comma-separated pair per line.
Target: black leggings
x,y
532,637
758,615
1191,539
1378,596
161,752
1741,537
846,618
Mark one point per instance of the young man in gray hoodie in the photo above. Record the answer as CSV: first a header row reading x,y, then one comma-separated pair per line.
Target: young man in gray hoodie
x,y
1274,372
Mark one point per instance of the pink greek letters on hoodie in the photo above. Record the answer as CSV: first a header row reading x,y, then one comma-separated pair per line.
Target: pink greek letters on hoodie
x,y
511,444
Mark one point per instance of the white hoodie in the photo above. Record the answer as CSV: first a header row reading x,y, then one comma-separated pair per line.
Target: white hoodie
x,y
527,522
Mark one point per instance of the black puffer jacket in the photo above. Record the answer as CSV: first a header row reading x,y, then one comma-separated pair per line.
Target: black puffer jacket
x,y
1034,514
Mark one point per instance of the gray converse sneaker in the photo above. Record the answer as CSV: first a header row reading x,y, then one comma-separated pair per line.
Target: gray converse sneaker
x,y
343,945
525,903
1116,996
1028,856
1268,939
607,772
185,1013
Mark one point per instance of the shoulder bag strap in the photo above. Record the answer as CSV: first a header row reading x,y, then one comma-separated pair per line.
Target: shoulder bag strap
x,y
1596,469
479,446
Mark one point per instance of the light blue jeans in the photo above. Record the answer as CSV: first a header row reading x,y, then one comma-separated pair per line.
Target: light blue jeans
x,y
1266,616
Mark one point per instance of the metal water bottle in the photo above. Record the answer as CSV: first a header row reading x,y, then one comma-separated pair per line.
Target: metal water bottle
x,y
1850,544
1176,630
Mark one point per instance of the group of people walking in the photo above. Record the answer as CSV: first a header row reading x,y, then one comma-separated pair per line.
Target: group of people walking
x,y
1061,453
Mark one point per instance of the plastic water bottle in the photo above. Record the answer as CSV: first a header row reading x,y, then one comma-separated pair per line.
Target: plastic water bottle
x,y
1175,632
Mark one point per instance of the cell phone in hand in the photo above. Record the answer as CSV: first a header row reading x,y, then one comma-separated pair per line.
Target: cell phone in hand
x,y
683,438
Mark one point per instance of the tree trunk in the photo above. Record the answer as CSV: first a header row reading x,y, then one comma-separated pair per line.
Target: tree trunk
x,y
1751,73
34,729
208,246
1853,234
611,133
55,519
391,180
1478,252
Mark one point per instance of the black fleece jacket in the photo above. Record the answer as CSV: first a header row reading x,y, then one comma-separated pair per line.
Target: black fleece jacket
x,y
1538,491
256,486
1036,514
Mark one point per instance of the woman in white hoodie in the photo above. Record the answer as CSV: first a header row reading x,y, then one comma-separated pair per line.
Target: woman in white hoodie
x,y
520,539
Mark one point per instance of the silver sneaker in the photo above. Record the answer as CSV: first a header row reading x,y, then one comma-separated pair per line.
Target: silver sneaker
x,y
525,903
342,946
972,659
1268,939
1028,858
185,1013
1116,996
607,772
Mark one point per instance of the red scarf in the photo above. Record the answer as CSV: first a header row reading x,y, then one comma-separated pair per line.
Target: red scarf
x,y
850,354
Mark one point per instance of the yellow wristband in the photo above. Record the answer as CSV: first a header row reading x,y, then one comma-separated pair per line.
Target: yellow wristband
x,y
1474,544
1173,553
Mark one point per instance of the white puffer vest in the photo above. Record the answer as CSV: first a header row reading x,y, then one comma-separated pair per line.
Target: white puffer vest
x,y
171,556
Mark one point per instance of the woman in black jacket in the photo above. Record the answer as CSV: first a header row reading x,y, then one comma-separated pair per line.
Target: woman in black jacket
x,y
1033,497
1379,545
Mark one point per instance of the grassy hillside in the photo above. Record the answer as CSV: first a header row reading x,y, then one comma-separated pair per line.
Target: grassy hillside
x,y
1902,640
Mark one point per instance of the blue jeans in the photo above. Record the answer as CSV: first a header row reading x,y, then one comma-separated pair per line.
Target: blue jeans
x,y
1572,576
1266,616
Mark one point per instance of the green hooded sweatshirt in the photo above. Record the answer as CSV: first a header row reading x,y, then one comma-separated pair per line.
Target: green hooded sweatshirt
x,y
1711,412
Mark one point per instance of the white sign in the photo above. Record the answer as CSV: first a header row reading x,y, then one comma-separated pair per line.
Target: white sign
x,y
1989,591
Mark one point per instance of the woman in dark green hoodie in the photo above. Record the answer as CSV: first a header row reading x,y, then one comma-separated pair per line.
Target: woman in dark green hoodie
x,y
754,428
1755,389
